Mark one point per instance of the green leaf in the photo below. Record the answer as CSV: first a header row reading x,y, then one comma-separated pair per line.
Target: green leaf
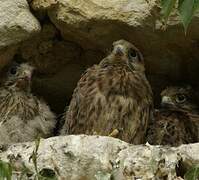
x,y
37,143
187,8
167,6
193,173
5,170
34,154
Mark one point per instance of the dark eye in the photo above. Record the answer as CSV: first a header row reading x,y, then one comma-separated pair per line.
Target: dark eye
x,y
13,70
180,98
132,53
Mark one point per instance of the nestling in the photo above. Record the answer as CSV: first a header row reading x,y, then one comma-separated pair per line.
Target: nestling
x,y
177,122
113,96
23,116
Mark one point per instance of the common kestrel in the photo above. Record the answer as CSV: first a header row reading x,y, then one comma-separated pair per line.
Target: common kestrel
x,y
112,98
177,121
23,116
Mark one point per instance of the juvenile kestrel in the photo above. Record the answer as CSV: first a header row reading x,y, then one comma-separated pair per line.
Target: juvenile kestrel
x,y
176,122
23,116
112,98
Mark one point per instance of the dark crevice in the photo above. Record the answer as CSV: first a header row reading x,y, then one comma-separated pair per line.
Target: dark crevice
x,y
181,169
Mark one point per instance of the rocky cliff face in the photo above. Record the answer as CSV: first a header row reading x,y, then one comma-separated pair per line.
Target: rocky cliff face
x,y
64,37
61,38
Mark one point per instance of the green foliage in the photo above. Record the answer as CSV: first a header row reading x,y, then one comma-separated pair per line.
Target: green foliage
x,y
33,157
5,170
45,173
186,9
167,6
193,173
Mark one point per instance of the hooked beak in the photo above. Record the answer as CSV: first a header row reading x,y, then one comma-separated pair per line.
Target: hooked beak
x,y
119,51
166,101
23,83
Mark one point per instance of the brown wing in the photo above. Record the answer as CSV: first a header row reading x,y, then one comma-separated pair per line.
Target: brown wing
x,y
194,125
110,98
170,128
76,111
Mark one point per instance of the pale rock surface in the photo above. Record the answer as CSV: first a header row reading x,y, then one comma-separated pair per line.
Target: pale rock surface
x,y
42,4
101,158
99,22
17,23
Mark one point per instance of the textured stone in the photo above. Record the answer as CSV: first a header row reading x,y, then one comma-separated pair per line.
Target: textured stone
x,y
95,24
17,23
99,22
42,4
101,158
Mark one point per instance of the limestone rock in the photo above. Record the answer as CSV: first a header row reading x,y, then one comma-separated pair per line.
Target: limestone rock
x,y
17,23
95,157
99,22
95,24
42,4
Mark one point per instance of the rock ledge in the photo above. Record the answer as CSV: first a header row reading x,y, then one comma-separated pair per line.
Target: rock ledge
x,y
78,157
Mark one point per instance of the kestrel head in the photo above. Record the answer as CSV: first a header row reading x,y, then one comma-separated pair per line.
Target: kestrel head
x,y
123,52
179,97
19,76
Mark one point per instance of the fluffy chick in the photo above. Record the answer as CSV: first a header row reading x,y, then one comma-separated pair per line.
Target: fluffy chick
x,y
23,116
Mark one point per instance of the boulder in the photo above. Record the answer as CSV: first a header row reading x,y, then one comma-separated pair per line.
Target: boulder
x,y
83,157
95,24
17,22
171,56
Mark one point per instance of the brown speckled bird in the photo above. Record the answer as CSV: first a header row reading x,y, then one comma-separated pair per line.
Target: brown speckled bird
x,y
23,116
112,98
177,121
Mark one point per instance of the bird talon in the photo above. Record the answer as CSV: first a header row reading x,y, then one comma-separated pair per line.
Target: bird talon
x,y
114,133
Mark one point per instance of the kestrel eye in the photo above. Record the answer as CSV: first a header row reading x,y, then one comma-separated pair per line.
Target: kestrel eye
x,y
132,53
180,98
13,70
